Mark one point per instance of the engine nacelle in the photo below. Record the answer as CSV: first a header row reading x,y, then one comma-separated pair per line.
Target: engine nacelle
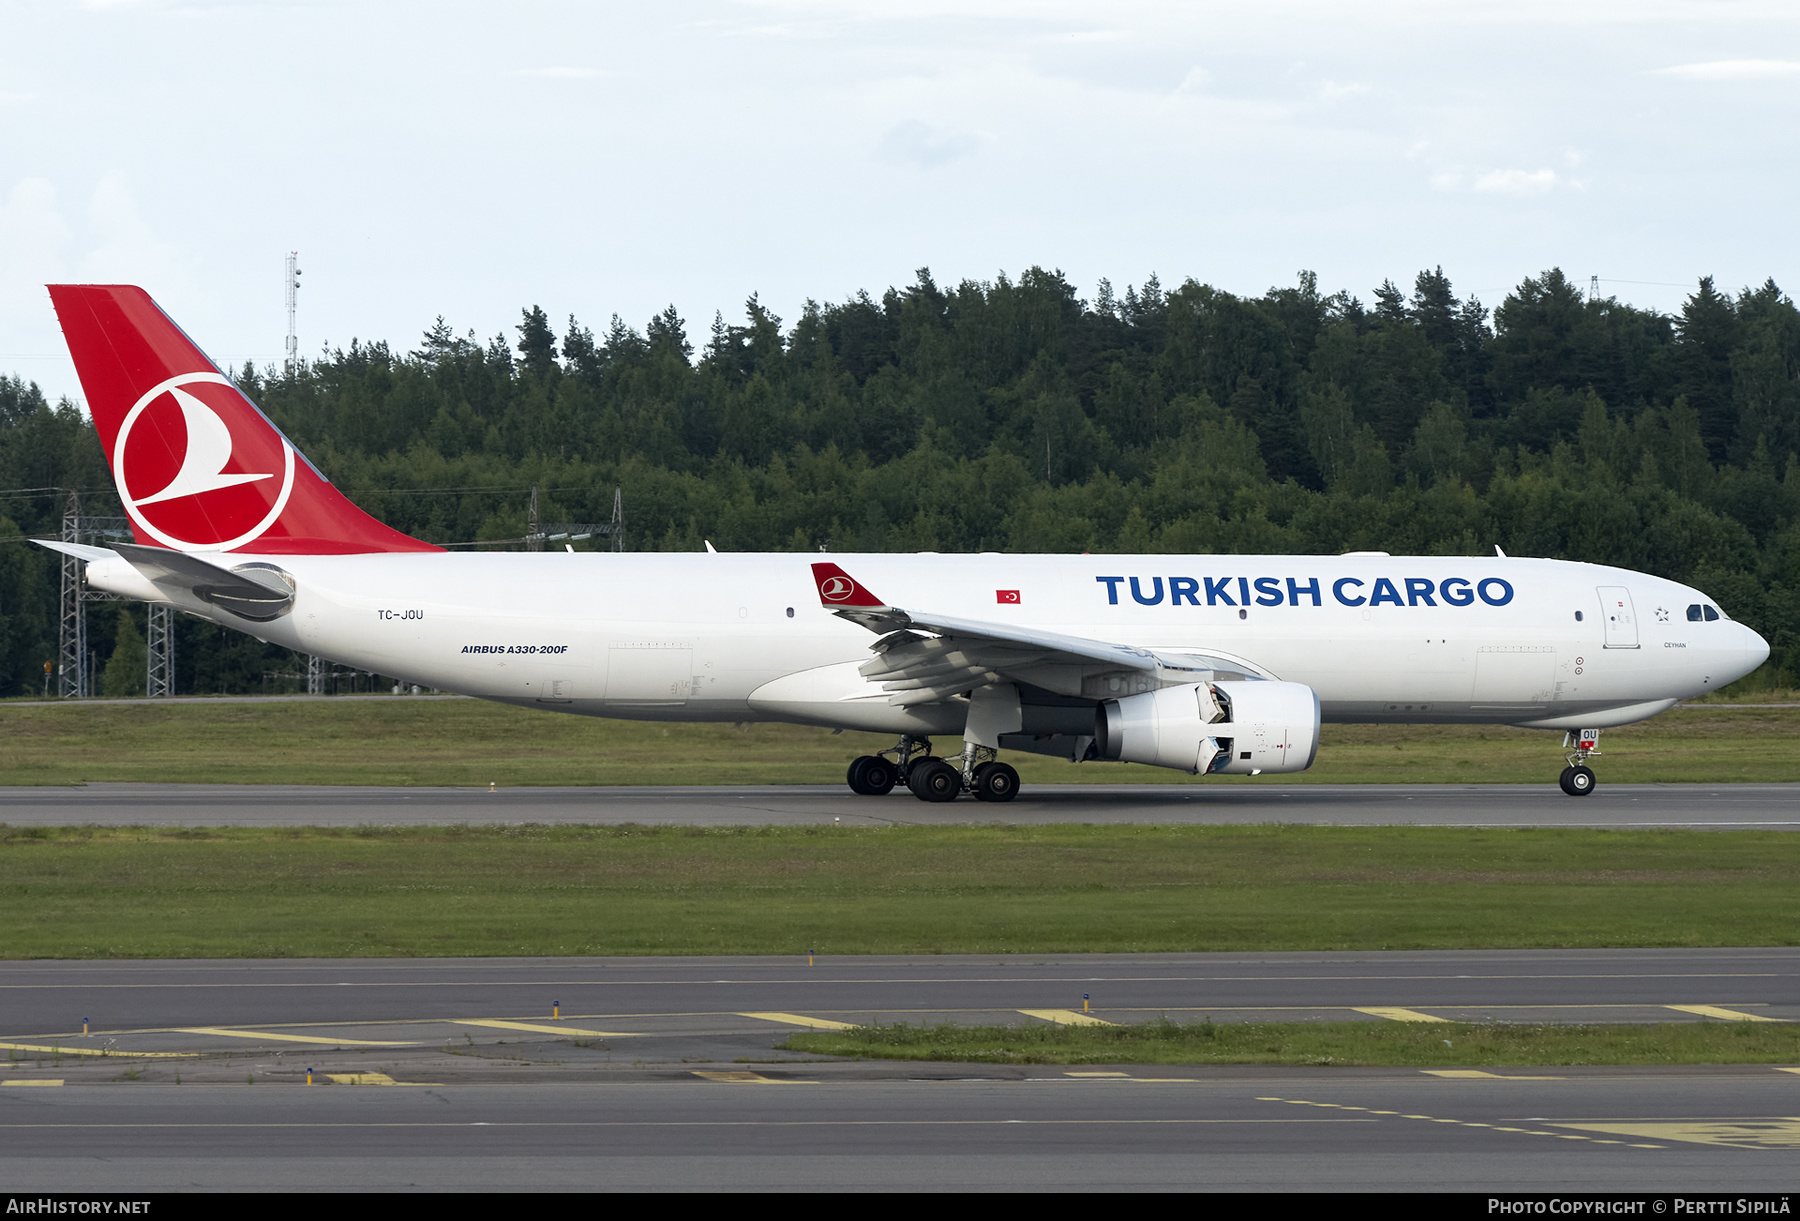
x,y
1237,728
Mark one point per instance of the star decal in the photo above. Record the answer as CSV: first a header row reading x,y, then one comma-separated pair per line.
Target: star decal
x,y
1662,614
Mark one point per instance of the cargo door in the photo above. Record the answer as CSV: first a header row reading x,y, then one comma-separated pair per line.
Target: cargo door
x,y
1513,676
649,673
1617,616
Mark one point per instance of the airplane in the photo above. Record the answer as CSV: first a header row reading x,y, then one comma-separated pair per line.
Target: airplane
x,y
1205,664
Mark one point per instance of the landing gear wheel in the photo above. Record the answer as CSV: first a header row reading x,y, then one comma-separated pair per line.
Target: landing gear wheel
x,y
995,782
934,780
871,776
1577,781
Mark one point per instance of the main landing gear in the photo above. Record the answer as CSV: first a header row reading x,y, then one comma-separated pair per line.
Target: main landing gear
x,y
1577,779
931,778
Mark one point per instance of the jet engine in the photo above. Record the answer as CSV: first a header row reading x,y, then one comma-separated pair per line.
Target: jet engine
x,y
1237,728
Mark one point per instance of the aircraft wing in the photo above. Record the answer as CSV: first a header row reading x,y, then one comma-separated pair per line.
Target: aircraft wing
x,y
966,653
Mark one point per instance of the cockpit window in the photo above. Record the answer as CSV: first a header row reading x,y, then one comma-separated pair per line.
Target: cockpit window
x,y
1694,613
1711,614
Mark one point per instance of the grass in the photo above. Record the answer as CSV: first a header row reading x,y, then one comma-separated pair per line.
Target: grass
x,y
587,890
1345,1044
468,742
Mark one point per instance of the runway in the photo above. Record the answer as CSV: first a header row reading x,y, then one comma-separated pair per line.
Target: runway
x,y
665,1073
1701,806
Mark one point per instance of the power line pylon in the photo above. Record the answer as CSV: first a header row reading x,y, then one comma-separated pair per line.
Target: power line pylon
x,y
75,666
160,640
72,651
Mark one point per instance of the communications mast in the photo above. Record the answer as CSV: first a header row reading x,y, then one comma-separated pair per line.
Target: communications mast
x,y
293,289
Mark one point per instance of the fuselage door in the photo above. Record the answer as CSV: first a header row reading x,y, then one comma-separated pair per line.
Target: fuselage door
x,y
649,673
1618,617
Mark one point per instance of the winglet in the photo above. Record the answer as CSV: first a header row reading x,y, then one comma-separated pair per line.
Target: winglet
x,y
838,589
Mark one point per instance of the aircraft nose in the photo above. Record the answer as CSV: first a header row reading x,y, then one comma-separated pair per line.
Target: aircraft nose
x,y
1756,650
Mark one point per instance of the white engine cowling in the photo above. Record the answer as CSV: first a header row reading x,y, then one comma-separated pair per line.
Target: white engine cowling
x,y
1237,728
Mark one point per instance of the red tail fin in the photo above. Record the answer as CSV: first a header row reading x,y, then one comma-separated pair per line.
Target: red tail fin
x,y
197,466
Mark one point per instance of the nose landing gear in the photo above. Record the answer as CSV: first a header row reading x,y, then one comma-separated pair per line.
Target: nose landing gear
x,y
1577,779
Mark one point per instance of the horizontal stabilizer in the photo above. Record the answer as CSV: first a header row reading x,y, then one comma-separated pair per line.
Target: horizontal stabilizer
x,y
255,592
80,551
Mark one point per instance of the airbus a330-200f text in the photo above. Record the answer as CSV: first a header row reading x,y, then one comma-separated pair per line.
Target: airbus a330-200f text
x,y
1208,664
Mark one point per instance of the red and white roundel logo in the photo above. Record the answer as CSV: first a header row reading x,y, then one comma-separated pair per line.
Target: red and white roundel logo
x,y
187,479
836,589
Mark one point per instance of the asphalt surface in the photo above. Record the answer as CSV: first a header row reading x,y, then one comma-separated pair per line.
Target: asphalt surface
x,y
664,1074
1717,806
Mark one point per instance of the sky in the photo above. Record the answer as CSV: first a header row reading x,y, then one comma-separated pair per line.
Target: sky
x,y
471,159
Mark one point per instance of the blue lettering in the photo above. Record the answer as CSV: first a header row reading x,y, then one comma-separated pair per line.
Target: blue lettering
x,y
1295,589
1461,596
1384,592
1217,591
1184,587
1418,589
1112,589
1268,592
1138,594
1244,589
1502,598
1337,591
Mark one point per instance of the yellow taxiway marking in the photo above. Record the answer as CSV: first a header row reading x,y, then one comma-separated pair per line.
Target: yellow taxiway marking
x,y
283,1038
1788,1070
1773,1133
1475,1072
371,1079
56,1049
34,1081
1395,1014
1714,1011
800,1019
750,1078
535,1028
1126,1075
1066,1017
1464,1123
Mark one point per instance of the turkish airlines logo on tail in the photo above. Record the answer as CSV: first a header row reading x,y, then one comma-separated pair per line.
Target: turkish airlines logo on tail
x,y
837,589
187,479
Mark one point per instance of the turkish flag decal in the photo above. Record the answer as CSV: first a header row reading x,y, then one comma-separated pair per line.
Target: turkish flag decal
x,y
1009,596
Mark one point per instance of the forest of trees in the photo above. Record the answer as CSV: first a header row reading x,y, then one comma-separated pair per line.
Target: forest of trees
x,y
1013,415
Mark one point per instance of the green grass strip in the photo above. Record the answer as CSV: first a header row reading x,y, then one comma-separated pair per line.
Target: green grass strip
x,y
587,890
1346,1044
403,741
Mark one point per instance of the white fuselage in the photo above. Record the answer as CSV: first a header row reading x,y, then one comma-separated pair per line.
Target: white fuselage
x,y
743,637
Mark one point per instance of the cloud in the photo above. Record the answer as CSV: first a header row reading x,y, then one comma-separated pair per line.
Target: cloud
x,y
1516,182
32,232
563,73
1195,81
1332,92
1501,182
1734,70
920,145
128,249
